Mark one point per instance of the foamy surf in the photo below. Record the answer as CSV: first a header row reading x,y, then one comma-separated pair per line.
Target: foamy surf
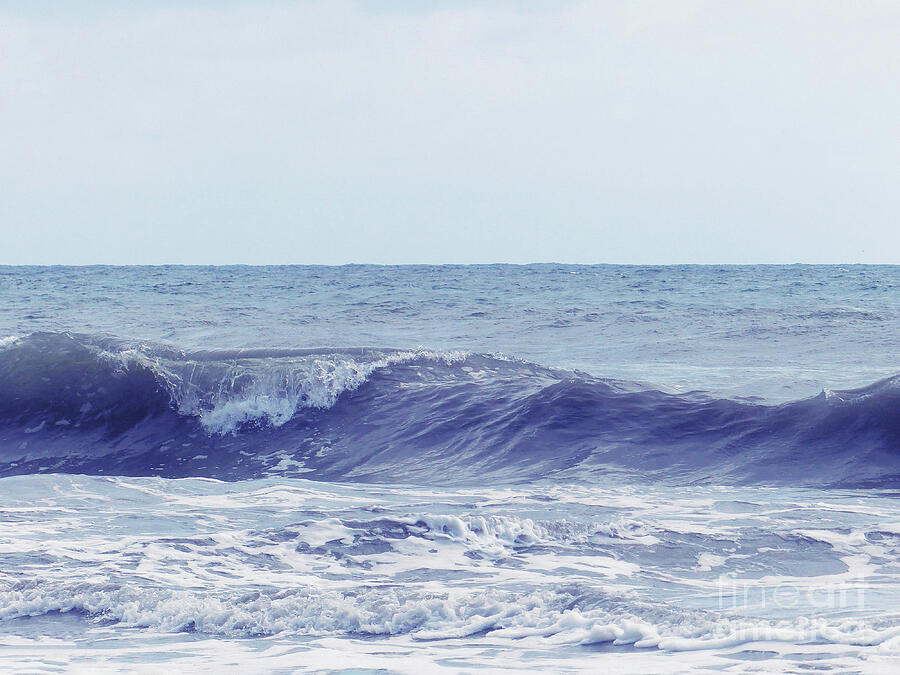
x,y
188,560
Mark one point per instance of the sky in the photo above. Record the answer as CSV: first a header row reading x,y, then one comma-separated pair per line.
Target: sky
x,y
352,131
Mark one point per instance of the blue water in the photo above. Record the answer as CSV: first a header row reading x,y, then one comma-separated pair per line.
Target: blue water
x,y
550,460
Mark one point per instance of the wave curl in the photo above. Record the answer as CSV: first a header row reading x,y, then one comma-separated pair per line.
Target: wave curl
x,y
75,403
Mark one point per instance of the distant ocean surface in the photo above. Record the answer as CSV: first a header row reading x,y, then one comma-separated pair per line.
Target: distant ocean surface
x,y
443,468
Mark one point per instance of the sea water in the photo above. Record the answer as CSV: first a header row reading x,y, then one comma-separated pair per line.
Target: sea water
x,y
549,467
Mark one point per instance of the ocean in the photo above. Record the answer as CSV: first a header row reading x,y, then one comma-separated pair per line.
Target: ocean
x,y
563,468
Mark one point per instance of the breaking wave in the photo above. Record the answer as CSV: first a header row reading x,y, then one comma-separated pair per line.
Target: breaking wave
x,y
87,404
565,615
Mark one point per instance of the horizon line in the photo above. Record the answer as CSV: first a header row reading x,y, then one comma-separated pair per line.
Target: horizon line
x,y
462,264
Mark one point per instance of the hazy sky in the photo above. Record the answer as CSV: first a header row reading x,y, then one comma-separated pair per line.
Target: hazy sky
x,y
480,131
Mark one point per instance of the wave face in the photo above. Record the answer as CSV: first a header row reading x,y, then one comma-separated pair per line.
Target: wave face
x,y
81,404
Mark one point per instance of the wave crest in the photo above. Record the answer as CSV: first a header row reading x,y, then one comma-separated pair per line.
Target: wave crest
x,y
77,403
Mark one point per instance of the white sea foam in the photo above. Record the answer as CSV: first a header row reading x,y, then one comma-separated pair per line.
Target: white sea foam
x,y
228,394
425,616
529,572
509,531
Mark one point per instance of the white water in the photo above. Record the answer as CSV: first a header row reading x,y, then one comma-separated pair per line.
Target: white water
x,y
226,394
200,575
